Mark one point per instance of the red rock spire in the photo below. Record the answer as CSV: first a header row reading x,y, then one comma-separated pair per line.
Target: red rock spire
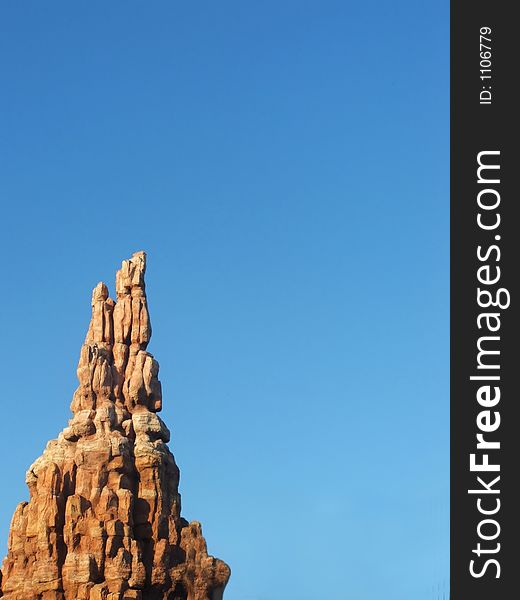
x,y
103,521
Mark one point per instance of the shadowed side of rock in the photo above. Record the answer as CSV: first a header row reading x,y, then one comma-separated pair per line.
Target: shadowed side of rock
x,y
104,517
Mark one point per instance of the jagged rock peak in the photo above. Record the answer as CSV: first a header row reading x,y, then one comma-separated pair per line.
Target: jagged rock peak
x,y
103,521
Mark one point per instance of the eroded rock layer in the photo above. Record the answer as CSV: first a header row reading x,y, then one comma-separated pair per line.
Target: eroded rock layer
x,y
103,521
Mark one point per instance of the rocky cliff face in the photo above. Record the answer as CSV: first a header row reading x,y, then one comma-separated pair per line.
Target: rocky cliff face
x,y
103,521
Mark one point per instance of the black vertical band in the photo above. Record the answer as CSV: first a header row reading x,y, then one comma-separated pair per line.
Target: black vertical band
x,y
485,336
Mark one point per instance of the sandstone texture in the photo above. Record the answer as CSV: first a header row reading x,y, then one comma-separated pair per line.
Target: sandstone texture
x,y
103,521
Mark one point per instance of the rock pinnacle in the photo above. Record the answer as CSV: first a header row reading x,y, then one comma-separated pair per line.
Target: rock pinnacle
x,y
104,517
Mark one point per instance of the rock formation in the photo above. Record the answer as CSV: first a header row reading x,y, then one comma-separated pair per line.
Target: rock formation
x,y
103,521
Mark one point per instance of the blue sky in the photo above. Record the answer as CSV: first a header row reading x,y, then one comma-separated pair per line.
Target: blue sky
x,y
285,166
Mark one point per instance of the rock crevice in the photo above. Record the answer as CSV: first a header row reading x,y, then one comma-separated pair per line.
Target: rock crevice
x,y
104,517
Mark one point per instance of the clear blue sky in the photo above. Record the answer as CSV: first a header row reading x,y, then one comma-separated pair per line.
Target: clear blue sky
x,y
285,165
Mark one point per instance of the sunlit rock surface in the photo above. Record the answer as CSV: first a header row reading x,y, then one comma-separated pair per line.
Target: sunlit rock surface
x,y
103,521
